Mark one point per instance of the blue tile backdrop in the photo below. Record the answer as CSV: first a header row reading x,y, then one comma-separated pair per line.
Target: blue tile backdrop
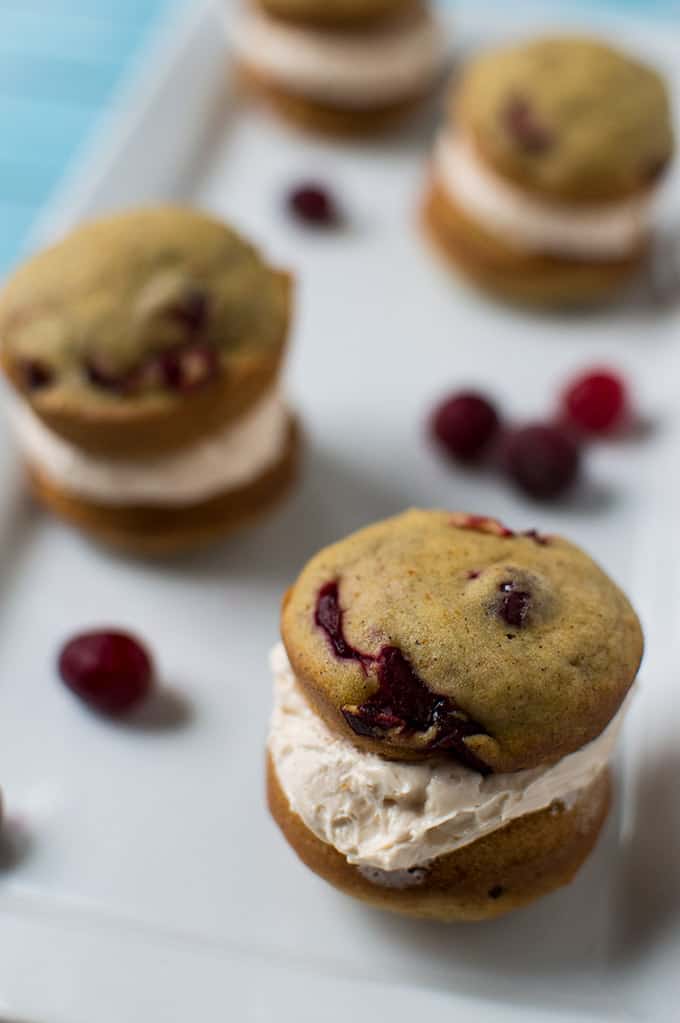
x,y
59,63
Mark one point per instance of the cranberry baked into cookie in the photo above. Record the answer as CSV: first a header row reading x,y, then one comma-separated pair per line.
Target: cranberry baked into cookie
x,y
543,176
144,352
447,699
339,66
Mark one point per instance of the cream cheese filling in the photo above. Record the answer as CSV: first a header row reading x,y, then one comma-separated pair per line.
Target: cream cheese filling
x,y
393,816
350,69
599,232
220,462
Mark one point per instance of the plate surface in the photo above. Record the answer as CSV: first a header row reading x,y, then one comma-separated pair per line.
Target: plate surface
x,y
141,876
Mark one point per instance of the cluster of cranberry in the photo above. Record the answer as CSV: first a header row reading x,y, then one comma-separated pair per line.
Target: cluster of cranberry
x,y
542,458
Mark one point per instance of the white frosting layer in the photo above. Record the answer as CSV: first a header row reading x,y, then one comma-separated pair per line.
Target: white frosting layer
x,y
224,461
607,231
396,816
351,69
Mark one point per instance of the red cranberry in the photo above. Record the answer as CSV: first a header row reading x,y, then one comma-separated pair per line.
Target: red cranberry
x,y
185,367
539,538
480,524
483,524
596,402
111,671
328,616
403,701
542,459
514,605
313,204
524,126
191,310
464,425
100,375
35,375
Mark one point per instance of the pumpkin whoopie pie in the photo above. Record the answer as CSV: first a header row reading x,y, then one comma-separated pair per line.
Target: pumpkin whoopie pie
x,y
448,696
144,353
543,175
339,66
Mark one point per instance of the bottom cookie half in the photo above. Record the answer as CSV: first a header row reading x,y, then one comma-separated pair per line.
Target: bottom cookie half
x,y
521,277
157,531
320,118
506,869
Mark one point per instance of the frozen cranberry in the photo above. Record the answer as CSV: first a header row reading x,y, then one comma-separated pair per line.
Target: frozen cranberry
x,y
542,459
524,125
596,402
35,375
313,204
464,425
110,671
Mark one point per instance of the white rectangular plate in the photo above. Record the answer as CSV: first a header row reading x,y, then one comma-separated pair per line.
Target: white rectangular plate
x,y
141,876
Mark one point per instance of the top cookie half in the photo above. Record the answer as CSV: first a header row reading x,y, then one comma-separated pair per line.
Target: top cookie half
x,y
435,634
142,332
568,118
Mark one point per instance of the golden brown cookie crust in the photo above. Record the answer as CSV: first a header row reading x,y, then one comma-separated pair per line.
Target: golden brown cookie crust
x,y
317,118
160,531
567,117
518,276
506,869
116,292
341,14
431,587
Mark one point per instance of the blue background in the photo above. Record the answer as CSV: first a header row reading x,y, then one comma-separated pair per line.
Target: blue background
x,y
60,61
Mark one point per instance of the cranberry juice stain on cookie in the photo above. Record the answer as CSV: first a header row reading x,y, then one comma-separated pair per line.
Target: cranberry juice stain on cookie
x,y
403,703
